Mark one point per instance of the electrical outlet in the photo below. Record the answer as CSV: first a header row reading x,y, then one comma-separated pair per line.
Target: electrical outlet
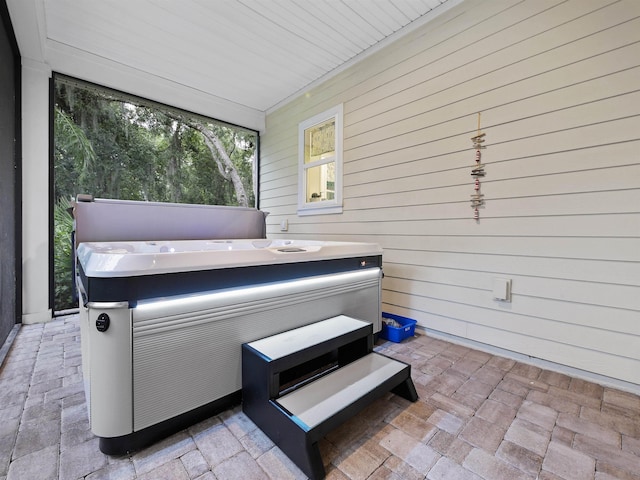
x,y
502,289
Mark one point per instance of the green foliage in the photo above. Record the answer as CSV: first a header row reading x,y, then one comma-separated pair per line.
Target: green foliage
x,y
73,152
112,147
62,254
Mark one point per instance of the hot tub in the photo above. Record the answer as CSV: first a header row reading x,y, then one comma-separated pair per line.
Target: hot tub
x,y
162,322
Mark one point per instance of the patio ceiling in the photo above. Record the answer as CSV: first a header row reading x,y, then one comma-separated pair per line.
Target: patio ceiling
x,y
254,53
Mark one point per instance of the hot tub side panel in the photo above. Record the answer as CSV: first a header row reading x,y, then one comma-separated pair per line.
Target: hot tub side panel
x,y
183,359
107,367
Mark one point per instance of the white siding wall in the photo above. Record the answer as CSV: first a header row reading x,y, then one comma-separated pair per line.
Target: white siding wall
x,y
558,85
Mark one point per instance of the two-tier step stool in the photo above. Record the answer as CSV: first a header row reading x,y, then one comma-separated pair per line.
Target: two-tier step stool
x,y
299,385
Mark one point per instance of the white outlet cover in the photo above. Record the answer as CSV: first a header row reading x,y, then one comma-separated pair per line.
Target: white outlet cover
x,y
502,289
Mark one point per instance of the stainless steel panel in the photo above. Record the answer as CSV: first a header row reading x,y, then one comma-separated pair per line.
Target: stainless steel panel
x,y
187,354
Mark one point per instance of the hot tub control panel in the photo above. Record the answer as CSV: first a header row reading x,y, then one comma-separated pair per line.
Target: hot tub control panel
x,y
102,322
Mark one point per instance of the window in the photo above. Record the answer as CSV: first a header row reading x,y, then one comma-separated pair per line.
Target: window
x,y
114,145
320,163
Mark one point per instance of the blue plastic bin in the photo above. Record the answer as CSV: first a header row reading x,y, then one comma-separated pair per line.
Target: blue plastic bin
x,y
397,334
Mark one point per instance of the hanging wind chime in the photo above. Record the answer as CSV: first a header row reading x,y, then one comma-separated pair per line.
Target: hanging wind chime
x,y
477,198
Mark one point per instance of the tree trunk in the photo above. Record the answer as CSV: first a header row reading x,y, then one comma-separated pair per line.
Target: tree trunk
x,y
173,170
225,166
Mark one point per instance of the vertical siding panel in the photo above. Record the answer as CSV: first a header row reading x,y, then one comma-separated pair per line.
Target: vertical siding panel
x,y
557,85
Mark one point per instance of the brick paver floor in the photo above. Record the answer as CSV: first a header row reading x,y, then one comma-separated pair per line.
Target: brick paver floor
x,y
479,416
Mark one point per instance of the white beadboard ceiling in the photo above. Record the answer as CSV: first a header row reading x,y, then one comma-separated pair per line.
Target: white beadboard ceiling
x,y
254,53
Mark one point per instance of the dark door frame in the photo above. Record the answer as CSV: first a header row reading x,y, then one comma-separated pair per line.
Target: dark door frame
x,y
13,205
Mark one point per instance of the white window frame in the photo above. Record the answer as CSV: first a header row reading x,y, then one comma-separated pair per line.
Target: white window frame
x,y
324,206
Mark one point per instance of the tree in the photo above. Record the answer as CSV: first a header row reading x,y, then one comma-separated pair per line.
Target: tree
x,y
73,153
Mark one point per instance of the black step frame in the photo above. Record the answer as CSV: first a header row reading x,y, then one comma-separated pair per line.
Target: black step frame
x,y
261,387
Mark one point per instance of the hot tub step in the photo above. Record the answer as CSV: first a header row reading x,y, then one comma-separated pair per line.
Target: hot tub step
x,y
341,376
327,397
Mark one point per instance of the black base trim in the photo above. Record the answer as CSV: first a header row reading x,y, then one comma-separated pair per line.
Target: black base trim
x,y
126,444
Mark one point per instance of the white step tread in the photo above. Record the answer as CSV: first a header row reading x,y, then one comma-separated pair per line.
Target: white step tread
x,y
298,339
323,398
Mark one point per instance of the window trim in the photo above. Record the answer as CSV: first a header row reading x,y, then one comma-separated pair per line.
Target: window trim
x,y
326,206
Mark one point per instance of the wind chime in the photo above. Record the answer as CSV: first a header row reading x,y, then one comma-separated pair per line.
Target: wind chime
x,y
477,198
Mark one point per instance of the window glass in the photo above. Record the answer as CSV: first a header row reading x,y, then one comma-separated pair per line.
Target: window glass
x,y
320,163
320,141
320,183
113,145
